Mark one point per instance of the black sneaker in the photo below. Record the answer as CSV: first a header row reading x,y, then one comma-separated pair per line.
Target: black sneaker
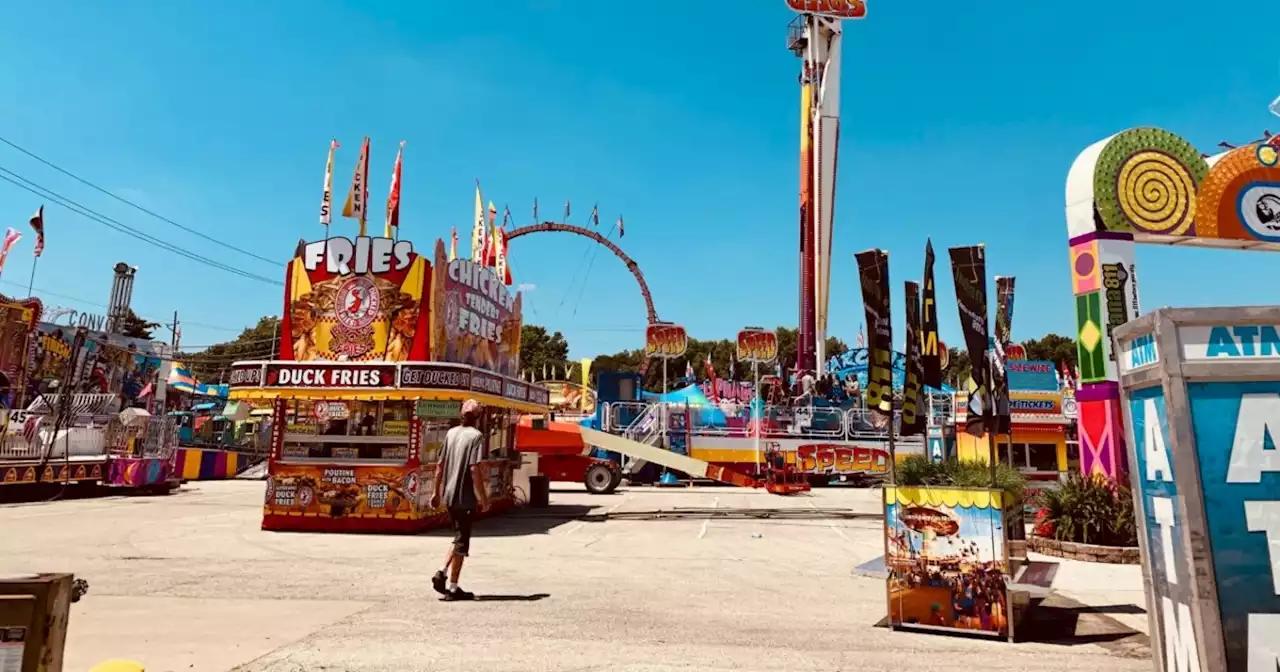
x,y
437,582
458,595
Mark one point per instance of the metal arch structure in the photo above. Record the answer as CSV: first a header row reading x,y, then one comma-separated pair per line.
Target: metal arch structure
x,y
608,244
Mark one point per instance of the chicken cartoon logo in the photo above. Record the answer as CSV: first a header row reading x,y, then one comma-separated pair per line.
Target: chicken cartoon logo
x,y
358,303
1268,211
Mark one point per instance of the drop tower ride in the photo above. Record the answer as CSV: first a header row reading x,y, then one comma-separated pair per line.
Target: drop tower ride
x,y
815,37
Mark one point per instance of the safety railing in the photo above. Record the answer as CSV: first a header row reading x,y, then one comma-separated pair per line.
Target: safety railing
x,y
643,421
35,438
142,437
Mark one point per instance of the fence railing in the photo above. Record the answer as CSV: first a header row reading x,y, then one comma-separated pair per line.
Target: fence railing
x,y
639,420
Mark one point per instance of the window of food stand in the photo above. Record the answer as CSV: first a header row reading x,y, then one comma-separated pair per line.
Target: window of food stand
x,y
497,425
347,430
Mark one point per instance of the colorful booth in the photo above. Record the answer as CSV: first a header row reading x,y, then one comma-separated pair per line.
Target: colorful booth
x,y
1037,444
378,349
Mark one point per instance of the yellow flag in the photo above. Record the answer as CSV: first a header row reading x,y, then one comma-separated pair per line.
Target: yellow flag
x,y
356,206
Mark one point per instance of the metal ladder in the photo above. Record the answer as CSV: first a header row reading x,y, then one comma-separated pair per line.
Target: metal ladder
x,y
647,428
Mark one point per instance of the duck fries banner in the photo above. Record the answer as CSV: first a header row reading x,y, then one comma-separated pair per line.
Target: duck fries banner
x,y
340,491
946,559
355,300
478,319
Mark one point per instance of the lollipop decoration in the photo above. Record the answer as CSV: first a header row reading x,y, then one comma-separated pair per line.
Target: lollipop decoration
x,y
1146,181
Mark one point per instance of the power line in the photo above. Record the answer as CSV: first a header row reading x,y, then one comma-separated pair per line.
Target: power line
x,y
22,183
103,305
131,204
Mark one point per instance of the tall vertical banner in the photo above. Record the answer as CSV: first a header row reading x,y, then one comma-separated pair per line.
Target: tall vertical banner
x,y
914,409
1004,309
326,200
969,269
873,271
999,354
931,350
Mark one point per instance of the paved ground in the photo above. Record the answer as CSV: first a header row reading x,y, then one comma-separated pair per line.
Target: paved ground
x,y
188,582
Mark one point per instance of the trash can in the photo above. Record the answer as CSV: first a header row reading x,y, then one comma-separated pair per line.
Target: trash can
x,y
539,492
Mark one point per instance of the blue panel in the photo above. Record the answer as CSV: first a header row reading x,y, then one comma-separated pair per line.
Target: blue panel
x,y
1241,560
1032,376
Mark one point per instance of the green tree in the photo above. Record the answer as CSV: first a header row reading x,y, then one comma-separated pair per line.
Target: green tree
x,y
137,327
722,353
541,351
1058,349
959,368
211,364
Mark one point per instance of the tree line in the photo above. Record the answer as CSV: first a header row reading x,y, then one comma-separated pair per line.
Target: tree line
x,y
541,350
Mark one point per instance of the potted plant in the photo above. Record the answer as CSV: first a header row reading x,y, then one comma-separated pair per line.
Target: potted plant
x,y
1087,518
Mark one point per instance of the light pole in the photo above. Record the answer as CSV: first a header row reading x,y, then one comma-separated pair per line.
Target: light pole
x,y
275,333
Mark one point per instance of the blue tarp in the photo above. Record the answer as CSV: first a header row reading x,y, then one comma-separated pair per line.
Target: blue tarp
x,y
709,415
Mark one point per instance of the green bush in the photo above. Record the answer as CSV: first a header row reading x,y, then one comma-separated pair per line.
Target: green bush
x,y
1090,510
920,470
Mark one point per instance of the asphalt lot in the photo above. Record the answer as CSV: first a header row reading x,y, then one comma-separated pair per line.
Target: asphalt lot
x,y
189,582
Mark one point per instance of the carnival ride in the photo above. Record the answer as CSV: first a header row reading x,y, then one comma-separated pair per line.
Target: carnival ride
x,y
815,37
77,420
757,443
632,266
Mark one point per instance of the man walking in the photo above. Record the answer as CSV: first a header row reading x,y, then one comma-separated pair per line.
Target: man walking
x,y
458,488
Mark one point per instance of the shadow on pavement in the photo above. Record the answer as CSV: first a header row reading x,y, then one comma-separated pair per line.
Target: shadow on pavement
x,y
520,522
512,598
1059,620
1065,622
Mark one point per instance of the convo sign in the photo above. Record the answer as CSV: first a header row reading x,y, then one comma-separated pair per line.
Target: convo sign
x,y
757,346
478,319
665,341
355,300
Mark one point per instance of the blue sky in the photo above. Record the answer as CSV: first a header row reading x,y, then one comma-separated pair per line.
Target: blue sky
x,y
960,121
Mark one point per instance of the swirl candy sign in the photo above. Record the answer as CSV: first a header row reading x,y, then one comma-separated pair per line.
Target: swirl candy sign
x,y
757,345
665,341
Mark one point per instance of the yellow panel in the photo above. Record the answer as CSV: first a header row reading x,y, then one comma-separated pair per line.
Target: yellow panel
x,y
191,463
951,497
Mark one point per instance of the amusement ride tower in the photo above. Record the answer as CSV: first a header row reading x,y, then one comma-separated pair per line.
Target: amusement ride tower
x,y
815,36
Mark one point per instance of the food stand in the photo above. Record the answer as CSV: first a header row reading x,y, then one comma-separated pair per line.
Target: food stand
x,y
378,349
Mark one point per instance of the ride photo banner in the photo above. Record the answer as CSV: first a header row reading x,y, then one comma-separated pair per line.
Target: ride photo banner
x,y
914,408
969,269
946,556
873,271
930,349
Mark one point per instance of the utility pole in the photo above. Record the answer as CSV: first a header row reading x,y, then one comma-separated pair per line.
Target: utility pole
x,y
176,332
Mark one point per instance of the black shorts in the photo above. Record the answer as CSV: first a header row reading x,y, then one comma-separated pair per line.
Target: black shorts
x,y
461,522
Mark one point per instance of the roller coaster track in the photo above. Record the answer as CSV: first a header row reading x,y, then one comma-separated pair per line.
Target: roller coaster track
x,y
608,244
